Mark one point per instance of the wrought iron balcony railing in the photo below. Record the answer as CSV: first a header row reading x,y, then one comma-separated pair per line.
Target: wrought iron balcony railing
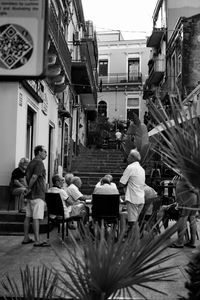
x,y
121,78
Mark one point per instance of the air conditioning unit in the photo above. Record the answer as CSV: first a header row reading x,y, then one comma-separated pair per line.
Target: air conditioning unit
x,y
76,38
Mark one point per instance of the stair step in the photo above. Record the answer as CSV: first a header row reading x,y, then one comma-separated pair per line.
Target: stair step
x,y
91,165
19,227
11,216
12,223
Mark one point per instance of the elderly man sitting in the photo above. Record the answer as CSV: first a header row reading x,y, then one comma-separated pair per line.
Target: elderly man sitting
x,y
76,198
69,210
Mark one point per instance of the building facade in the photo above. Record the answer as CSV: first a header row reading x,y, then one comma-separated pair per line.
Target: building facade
x,y
174,42
52,111
122,70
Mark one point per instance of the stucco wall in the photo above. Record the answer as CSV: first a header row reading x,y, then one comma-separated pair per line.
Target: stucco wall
x,y
8,125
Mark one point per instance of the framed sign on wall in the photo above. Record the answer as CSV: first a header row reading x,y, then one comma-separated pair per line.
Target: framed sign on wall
x,y
23,39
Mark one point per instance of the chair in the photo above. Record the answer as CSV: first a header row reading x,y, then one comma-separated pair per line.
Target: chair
x,y
106,208
55,207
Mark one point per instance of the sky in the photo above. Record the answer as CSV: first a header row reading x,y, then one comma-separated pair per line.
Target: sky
x,y
132,17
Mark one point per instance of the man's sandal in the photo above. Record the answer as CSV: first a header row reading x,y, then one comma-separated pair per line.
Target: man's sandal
x,y
42,244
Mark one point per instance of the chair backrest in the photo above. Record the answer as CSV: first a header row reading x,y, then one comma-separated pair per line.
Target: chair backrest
x,y
105,206
54,204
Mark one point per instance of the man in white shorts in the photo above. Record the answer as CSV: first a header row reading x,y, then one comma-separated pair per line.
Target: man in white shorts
x,y
36,179
133,180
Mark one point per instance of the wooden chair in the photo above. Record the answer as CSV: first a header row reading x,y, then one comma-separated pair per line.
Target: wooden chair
x,y
55,208
106,208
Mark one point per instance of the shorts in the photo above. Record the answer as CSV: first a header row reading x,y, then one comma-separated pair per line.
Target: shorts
x,y
35,209
133,211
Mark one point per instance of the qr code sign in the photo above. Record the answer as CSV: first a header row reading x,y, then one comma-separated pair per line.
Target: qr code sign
x,y
16,46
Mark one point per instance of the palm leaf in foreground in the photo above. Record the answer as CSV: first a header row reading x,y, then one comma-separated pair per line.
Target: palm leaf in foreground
x,y
36,283
179,143
99,268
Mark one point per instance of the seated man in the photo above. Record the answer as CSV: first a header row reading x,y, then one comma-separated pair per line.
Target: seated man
x,y
76,198
106,187
57,181
18,183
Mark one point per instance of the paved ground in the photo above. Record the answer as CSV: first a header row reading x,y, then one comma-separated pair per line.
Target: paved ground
x,y
14,255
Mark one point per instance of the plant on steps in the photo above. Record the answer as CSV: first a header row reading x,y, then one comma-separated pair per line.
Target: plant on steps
x,y
137,137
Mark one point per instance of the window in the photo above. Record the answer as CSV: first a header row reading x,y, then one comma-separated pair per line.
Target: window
x,y
103,67
133,102
133,69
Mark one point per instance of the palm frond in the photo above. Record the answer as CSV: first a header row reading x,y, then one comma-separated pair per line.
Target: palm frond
x,y
36,283
101,267
179,142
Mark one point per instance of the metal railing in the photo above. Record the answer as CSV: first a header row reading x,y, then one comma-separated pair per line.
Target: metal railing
x,y
121,78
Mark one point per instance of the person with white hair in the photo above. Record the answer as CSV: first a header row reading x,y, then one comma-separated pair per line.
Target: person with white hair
x,y
106,187
133,181
76,198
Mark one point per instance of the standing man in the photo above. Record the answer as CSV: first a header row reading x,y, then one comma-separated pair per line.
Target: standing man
x,y
133,180
36,179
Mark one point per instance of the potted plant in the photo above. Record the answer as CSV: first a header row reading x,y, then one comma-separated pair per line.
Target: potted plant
x,y
99,268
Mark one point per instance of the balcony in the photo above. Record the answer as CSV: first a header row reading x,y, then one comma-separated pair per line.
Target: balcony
x,y
59,43
121,79
154,40
83,73
156,70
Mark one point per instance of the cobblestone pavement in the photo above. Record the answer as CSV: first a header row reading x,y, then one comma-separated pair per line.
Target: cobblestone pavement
x,y
14,255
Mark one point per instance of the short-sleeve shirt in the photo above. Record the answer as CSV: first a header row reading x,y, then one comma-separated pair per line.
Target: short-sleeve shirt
x,y
106,189
63,196
118,135
38,189
17,174
134,178
73,192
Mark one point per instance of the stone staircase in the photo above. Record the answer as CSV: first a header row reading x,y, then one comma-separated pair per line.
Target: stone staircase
x,y
92,164
11,223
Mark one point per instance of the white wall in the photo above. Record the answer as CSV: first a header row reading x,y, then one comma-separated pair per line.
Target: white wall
x,y
8,121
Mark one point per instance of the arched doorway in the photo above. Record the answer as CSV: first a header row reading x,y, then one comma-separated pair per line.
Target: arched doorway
x,y
102,109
